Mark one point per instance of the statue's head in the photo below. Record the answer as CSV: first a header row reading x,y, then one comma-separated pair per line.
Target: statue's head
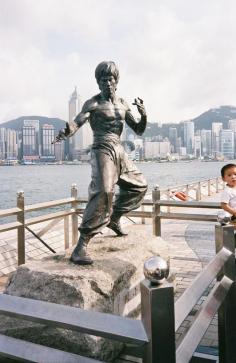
x,y
105,69
107,76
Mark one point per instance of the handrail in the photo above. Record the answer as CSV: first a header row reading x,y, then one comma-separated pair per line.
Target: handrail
x,y
192,183
188,216
44,205
31,352
190,296
48,217
34,207
89,322
9,212
9,226
222,265
187,204
190,342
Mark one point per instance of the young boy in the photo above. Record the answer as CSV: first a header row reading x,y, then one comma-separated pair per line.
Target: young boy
x,y
228,196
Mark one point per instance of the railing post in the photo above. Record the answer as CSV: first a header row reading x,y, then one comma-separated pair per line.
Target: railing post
x,y
142,209
209,186
217,185
168,198
74,217
66,232
222,184
198,192
21,229
227,312
156,209
187,190
157,306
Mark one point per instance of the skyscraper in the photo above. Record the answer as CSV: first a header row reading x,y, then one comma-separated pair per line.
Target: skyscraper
x,y
30,141
2,144
73,111
232,126
73,105
189,136
173,136
227,144
197,146
48,149
11,149
83,137
206,143
216,128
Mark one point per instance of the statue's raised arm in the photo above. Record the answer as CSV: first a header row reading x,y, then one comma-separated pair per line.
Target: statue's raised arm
x,y
137,127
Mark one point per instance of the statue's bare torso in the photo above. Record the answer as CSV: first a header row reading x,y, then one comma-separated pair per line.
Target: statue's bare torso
x,y
106,117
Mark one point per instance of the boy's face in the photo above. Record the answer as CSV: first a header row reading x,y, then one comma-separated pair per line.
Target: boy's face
x,y
230,177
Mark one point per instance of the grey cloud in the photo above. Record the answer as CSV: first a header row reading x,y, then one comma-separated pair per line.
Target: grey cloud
x,y
178,55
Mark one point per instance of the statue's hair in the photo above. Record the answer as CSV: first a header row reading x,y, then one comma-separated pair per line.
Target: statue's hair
x,y
107,69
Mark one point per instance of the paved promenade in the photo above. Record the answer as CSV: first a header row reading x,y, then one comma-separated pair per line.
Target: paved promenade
x,y
193,246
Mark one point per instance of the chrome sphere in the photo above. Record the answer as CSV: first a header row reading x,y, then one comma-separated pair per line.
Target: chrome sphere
x,y
222,218
156,269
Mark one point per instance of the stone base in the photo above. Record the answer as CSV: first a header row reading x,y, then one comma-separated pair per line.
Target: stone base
x,y
111,285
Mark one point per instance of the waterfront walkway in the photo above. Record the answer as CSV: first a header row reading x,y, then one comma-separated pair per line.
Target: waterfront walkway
x,y
191,246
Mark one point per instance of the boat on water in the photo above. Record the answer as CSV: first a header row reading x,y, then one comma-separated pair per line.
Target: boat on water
x,y
9,162
28,162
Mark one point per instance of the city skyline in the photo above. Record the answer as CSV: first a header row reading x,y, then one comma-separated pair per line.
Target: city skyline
x,y
177,55
32,143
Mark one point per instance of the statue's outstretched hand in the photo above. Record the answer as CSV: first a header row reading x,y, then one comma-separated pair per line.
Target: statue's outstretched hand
x,y
63,134
140,106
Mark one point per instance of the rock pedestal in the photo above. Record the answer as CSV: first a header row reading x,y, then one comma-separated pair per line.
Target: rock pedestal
x,y
111,285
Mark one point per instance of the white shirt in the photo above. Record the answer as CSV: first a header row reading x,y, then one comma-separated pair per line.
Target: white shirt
x,y
229,196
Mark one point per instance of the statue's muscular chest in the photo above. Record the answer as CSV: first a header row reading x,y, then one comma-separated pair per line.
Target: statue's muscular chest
x,y
108,112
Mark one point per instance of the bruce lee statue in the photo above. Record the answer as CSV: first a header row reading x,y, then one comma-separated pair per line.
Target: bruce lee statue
x,y
106,113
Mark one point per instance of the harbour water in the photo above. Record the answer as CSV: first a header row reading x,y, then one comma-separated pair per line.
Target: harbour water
x,y
49,182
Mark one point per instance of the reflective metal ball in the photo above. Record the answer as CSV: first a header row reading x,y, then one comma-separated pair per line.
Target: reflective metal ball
x,y
222,218
156,269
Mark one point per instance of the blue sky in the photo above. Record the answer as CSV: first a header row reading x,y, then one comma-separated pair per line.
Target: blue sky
x,y
179,56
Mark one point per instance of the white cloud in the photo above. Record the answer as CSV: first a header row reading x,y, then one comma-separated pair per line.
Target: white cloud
x,y
178,56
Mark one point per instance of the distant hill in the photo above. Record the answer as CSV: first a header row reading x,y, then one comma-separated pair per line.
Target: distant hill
x,y
17,123
220,114
204,121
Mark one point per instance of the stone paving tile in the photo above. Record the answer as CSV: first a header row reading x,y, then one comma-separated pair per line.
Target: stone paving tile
x,y
187,267
3,281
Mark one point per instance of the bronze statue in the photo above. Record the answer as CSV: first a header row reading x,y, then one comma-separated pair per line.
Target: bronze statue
x,y
106,113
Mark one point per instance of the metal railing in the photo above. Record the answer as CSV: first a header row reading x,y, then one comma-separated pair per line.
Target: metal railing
x,y
158,215
222,298
195,190
22,223
151,208
153,337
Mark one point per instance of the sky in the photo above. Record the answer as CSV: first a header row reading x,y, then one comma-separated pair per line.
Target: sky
x,y
179,56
